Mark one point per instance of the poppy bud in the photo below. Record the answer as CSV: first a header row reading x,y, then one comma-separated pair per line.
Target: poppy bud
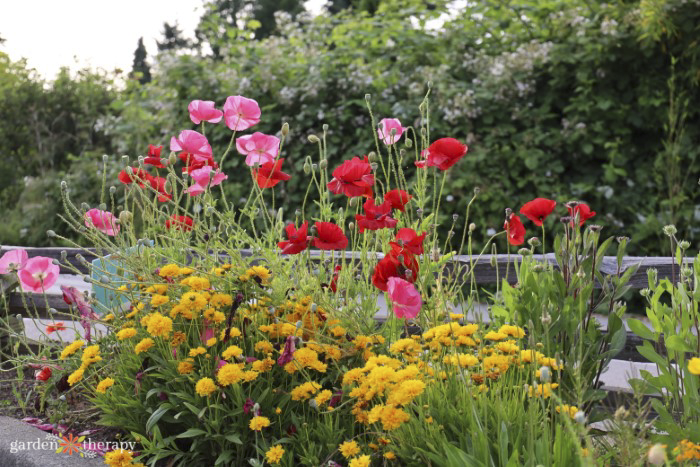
x,y
125,217
64,255
372,156
314,167
50,233
141,160
509,211
64,185
112,190
325,127
351,226
84,206
419,211
524,252
421,107
125,160
472,227
368,97
546,318
436,254
323,164
455,217
285,129
423,132
409,143
374,166
307,168
534,242
103,206
670,230
313,139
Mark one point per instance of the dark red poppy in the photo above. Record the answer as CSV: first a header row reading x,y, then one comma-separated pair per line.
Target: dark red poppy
x,y
43,375
270,174
398,199
179,222
334,281
445,152
137,175
153,157
353,178
408,240
538,209
582,211
297,239
515,229
395,265
375,217
158,184
329,237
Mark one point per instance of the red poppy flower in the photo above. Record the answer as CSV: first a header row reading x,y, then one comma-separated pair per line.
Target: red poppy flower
x,y
270,174
137,175
445,152
334,281
153,157
391,266
582,211
329,237
516,230
375,217
422,162
398,199
158,184
353,178
297,239
55,327
538,209
179,222
43,375
408,240
194,163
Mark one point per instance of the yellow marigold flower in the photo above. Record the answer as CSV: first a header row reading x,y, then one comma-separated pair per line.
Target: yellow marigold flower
x,y
250,375
169,270
234,332
185,271
219,300
158,300
144,320
513,331
264,347
104,385
258,423
495,336
502,362
211,341
390,455
305,391
71,349
391,417
261,366
205,386
323,397
456,316
354,375
362,461
132,313
260,272
144,345
159,289
406,392
119,458
126,333
542,390
108,317
91,355
76,376
274,454
570,410
508,347
687,450
429,420
339,331
159,325
694,365
230,374
232,351
193,301
185,368
176,310
123,288
196,283
178,338
197,351
218,317
349,449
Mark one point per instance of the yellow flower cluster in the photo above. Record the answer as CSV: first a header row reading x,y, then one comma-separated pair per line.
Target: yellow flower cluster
x,y
121,458
258,423
305,391
71,349
274,454
686,450
104,385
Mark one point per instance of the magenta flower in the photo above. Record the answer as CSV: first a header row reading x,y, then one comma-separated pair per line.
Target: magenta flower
x,y
73,296
241,113
258,148
204,111
104,221
405,298
13,261
203,178
192,142
288,352
385,127
38,274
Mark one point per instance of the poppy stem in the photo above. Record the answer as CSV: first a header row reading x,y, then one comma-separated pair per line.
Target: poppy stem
x,y
233,138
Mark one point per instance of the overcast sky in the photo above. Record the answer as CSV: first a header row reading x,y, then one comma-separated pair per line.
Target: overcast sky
x,y
99,33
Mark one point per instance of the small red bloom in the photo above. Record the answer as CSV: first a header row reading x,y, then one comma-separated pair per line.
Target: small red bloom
x,y
297,239
582,211
43,375
194,163
334,281
55,327
138,175
408,240
422,162
353,178
392,266
158,184
329,237
270,174
398,199
179,222
445,152
516,230
153,157
376,217
538,209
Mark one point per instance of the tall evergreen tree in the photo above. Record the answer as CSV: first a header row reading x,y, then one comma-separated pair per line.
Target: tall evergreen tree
x,y
140,65
172,38
264,12
336,6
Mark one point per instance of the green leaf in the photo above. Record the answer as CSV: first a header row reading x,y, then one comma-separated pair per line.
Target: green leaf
x,y
678,344
155,416
640,329
192,432
234,439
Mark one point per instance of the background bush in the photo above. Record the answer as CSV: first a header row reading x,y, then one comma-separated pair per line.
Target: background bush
x,y
567,100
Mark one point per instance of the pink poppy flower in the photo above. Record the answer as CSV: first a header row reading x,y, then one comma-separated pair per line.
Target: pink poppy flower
x,y
38,274
405,298
203,178
204,111
13,261
104,221
258,148
192,142
385,127
241,113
